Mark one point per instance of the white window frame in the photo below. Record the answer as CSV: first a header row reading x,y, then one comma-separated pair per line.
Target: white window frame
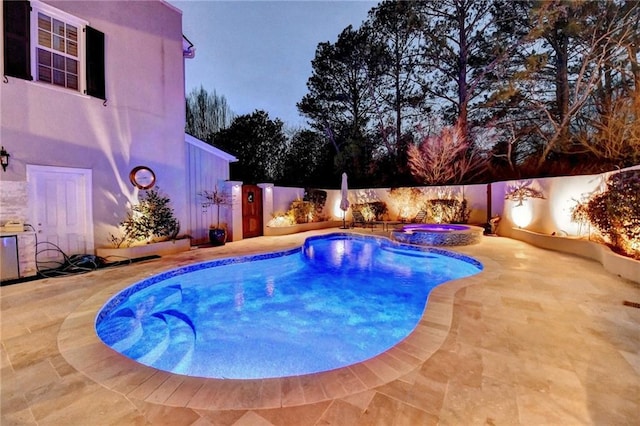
x,y
80,24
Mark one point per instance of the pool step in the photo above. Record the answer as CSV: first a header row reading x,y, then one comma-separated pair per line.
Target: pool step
x,y
152,332
176,355
408,252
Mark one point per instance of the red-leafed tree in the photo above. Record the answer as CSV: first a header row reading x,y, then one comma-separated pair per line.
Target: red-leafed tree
x,y
446,158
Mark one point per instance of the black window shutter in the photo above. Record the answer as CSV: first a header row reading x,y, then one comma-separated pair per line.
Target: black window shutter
x,y
17,58
95,63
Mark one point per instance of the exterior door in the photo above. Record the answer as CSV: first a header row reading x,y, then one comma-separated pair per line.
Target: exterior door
x,y
60,211
251,211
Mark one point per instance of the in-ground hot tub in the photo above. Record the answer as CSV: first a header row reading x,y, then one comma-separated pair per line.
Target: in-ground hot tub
x,y
435,234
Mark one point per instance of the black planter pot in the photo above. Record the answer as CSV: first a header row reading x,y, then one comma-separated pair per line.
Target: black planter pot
x,y
217,236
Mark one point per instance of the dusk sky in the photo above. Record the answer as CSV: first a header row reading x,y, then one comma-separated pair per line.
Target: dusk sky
x,y
258,53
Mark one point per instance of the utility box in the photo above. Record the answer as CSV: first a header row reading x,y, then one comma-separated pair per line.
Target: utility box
x,y
9,255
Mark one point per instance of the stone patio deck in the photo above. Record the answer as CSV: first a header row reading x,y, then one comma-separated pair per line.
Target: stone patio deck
x,y
539,337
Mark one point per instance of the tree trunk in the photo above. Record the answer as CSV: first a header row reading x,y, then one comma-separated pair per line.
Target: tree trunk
x,y
463,58
562,79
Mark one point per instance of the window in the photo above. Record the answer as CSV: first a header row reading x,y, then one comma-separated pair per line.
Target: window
x,y
50,46
57,52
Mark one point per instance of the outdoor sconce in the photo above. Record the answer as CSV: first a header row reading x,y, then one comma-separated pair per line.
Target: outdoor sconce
x,y
4,159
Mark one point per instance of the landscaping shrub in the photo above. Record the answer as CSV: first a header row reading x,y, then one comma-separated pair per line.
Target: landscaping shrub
x,y
302,211
406,201
374,210
152,218
316,196
447,211
309,209
615,213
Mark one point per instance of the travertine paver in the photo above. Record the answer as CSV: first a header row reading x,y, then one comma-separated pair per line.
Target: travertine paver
x,y
540,338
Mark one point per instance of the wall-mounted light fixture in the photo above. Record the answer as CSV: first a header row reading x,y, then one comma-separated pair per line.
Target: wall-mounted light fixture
x,y
4,159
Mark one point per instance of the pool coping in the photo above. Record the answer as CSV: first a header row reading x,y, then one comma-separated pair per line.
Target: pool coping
x,y
80,346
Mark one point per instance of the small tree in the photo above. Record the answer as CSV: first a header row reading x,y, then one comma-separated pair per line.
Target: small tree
x,y
406,200
151,218
446,158
218,198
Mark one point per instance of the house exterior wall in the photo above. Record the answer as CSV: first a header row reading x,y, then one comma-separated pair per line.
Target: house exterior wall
x,y
141,122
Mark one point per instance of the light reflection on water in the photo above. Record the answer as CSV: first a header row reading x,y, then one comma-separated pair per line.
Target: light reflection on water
x,y
336,302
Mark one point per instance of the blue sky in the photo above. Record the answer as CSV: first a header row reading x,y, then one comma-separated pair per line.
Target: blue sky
x,y
258,53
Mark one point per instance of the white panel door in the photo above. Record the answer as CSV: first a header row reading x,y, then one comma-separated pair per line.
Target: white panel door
x,y
61,213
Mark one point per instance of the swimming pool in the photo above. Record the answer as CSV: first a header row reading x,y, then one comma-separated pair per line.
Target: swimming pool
x,y
336,301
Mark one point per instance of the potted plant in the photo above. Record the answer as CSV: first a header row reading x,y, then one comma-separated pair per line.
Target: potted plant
x,y
218,198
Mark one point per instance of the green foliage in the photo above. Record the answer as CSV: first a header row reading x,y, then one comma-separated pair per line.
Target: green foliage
x,y
447,211
533,86
302,211
396,36
259,144
406,200
339,103
317,197
533,82
578,55
309,209
340,83
373,210
152,218
616,212
308,160
461,45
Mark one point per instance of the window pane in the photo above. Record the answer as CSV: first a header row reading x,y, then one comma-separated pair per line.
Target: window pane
x,y
72,33
58,27
44,38
58,78
72,48
72,81
44,57
44,21
58,62
72,66
44,74
58,43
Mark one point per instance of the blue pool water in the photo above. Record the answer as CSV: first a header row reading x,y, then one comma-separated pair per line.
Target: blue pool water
x,y
336,301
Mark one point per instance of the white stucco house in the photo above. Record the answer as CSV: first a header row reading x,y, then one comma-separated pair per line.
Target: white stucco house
x,y
91,90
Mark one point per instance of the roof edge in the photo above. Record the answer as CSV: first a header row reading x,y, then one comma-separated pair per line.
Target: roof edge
x,y
209,148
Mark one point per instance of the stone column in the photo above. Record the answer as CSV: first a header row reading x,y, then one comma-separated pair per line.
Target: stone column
x,y
235,216
267,204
